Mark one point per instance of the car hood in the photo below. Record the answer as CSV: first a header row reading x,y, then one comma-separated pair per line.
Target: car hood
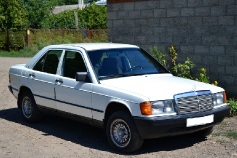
x,y
158,86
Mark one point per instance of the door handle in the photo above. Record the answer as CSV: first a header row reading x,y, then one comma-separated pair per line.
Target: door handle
x,y
32,75
58,81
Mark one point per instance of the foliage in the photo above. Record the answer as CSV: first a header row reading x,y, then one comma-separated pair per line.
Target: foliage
x,y
37,11
173,55
26,52
159,55
183,69
12,14
95,16
232,103
21,14
180,69
62,20
203,76
42,38
92,17
66,2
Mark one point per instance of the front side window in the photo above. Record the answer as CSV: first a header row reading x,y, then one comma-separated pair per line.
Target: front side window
x,y
72,63
49,62
121,62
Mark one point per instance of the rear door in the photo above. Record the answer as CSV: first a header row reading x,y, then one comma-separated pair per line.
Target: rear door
x,y
42,78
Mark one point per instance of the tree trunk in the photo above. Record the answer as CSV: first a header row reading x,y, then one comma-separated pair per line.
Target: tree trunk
x,y
8,44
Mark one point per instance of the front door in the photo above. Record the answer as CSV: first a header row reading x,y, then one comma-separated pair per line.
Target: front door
x,y
72,96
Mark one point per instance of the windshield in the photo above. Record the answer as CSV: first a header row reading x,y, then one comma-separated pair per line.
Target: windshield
x,y
112,63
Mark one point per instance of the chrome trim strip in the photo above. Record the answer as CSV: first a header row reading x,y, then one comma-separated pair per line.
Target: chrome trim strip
x,y
190,94
97,110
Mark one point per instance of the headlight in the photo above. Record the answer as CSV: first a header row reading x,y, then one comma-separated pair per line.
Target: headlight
x,y
162,107
219,98
157,108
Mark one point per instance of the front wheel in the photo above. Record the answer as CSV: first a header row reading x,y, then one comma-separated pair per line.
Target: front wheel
x,y
29,108
122,133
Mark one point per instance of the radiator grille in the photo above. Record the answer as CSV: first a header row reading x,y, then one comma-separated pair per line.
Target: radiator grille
x,y
194,102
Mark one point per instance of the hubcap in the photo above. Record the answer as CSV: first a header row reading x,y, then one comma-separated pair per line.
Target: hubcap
x,y
27,107
120,133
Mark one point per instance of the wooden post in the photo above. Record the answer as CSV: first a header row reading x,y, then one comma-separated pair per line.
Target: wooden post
x,y
76,19
28,37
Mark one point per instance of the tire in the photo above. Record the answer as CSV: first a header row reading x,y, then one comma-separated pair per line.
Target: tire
x,y
204,133
29,108
122,133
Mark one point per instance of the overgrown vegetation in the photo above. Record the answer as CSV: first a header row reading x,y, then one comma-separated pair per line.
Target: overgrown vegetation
x,y
180,69
42,38
92,17
26,52
37,14
17,15
233,105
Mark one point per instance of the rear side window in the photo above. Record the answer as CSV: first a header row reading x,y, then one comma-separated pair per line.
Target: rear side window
x,y
49,62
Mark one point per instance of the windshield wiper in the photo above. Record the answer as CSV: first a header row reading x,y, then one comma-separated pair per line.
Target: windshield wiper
x,y
113,76
120,75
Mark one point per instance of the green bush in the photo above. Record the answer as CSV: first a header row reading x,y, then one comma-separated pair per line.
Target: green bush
x,y
180,69
232,103
159,55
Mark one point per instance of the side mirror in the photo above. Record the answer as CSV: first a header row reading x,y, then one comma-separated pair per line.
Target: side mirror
x,y
82,76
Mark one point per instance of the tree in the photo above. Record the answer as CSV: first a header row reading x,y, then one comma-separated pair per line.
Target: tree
x,y
38,10
13,16
91,17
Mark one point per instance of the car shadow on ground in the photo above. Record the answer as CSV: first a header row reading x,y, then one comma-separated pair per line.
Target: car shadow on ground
x,y
92,137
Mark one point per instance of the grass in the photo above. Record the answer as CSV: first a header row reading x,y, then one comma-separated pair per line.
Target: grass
x,y
232,134
26,52
20,53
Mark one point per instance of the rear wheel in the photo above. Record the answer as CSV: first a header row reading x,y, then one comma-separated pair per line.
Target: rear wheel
x,y
29,108
122,133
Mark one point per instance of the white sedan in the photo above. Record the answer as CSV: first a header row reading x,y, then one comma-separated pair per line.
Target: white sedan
x,y
118,87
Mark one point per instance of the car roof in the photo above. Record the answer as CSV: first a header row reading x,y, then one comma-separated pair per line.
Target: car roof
x,y
85,46
95,46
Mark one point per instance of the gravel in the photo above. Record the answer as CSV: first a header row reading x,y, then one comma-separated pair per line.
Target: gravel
x,y
58,137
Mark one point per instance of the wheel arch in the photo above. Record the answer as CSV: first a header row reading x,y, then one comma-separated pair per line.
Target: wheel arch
x,y
113,107
21,90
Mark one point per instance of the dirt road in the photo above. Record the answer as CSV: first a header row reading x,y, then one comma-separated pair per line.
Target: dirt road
x,y
59,137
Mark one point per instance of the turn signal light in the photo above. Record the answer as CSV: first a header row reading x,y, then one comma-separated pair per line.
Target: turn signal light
x,y
224,97
146,108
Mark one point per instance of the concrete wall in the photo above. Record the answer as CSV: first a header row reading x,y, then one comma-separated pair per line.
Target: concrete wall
x,y
203,30
59,9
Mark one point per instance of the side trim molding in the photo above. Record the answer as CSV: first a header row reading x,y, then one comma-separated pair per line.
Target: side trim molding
x,y
77,105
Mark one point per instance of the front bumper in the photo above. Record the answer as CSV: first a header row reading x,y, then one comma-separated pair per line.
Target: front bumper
x,y
155,127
